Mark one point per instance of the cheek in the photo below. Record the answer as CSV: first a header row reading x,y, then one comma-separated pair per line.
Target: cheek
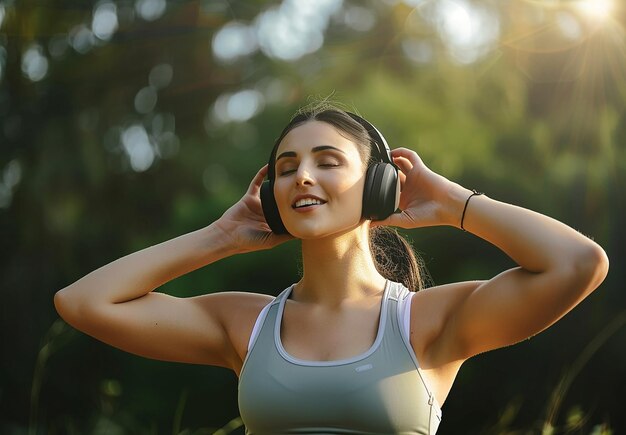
x,y
351,193
280,193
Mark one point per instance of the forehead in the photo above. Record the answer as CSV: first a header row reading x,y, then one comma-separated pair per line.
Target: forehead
x,y
314,133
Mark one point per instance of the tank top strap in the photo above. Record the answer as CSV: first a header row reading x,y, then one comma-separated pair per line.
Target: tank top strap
x,y
397,291
394,304
401,330
263,316
283,294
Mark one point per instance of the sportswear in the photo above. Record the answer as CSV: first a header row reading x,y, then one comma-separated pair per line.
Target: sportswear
x,y
380,391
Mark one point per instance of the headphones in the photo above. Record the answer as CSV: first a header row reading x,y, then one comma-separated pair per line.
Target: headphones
x,y
381,193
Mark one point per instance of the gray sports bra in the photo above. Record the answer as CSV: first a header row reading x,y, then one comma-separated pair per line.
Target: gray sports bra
x,y
380,391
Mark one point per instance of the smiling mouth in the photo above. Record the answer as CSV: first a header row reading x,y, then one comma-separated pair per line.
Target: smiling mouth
x,y
305,203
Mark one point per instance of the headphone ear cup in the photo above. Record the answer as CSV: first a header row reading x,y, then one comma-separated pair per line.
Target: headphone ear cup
x,y
381,193
270,209
368,205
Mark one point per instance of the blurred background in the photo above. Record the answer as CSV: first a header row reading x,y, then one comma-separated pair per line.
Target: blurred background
x,y
126,123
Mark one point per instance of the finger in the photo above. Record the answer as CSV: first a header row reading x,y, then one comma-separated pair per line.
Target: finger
x,y
256,182
402,177
408,154
403,163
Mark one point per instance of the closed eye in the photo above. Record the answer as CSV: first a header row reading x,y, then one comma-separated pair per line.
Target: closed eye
x,y
322,165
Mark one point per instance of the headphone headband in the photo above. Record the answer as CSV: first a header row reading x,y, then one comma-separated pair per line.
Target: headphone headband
x,y
380,144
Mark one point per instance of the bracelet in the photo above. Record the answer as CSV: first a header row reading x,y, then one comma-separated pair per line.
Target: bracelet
x,y
474,193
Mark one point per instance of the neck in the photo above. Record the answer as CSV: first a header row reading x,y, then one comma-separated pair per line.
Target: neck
x,y
338,269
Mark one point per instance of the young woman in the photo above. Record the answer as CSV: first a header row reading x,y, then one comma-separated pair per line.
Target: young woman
x,y
352,347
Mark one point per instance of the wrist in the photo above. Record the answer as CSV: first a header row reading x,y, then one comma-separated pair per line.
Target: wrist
x,y
453,204
217,241
474,193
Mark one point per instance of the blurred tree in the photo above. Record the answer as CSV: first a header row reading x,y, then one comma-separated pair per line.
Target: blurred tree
x,y
126,123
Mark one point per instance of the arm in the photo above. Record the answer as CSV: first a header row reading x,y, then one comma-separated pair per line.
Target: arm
x,y
558,267
116,303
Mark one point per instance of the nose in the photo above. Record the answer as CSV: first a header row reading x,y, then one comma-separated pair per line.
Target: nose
x,y
303,176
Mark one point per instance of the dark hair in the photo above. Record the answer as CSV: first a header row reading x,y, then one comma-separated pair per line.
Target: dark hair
x,y
395,258
393,255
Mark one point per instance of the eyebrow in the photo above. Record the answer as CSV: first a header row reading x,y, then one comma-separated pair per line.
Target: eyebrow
x,y
314,149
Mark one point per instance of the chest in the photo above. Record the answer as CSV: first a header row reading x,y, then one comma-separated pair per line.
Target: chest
x,y
335,399
375,390
321,336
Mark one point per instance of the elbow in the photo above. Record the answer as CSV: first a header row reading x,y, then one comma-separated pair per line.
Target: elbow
x,y
590,267
600,265
70,307
62,305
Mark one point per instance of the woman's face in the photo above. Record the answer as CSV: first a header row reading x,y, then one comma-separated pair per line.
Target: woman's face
x,y
315,162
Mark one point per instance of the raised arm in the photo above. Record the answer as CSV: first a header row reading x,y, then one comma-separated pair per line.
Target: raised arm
x,y
116,303
558,267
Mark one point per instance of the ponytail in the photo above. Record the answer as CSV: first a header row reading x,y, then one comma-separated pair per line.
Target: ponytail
x,y
395,259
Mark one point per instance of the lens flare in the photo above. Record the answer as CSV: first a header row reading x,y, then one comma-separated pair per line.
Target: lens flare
x,y
598,9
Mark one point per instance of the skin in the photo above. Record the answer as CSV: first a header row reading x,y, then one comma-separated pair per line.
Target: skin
x,y
334,308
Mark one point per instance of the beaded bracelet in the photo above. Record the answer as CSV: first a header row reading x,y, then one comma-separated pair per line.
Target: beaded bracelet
x,y
474,193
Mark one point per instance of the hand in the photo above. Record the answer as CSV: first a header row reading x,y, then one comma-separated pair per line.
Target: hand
x,y
244,223
426,198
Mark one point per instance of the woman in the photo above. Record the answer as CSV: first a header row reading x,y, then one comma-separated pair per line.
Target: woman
x,y
351,347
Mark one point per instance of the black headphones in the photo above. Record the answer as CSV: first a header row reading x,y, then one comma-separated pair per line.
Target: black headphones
x,y
381,193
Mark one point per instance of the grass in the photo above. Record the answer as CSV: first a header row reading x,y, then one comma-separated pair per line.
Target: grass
x,y
60,334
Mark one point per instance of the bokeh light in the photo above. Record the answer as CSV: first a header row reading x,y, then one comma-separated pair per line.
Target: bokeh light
x,y
138,148
359,18
295,28
104,22
161,75
150,10
233,41
238,107
11,177
468,29
419,51
274,89
146,100
162,123
569,25
82,39
34,63
167,145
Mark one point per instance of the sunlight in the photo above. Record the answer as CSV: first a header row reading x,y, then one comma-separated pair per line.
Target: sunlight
x,y
597,9
468,30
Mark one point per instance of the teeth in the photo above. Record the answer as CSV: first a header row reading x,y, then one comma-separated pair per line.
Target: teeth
x,y
307,201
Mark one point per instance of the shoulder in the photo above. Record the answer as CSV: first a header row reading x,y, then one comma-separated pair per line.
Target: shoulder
x,y
432,311
446,297
233,300
237,313
234,308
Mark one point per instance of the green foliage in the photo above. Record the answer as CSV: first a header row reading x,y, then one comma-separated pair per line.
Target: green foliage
x,y
116,138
